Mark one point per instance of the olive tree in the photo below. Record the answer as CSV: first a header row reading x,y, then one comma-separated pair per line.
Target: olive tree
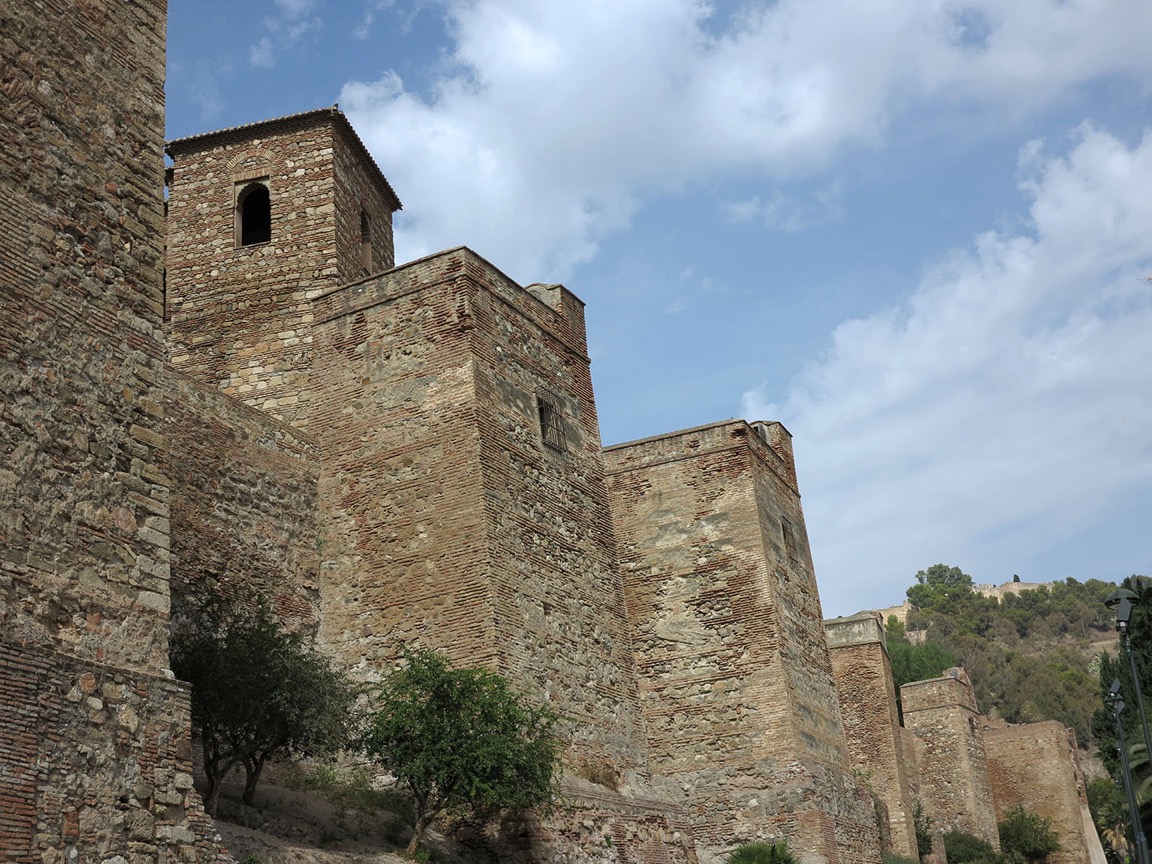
x,y
463,741
258,692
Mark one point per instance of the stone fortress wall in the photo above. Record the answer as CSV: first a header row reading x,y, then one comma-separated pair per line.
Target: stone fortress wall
x,y
95,748
867,695
734,676
387,454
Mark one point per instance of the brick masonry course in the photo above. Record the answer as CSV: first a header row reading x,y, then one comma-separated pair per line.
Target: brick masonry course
x,y
735,679
94,736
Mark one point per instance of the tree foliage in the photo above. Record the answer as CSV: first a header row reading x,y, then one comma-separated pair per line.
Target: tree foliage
x,y
922,824
1028,655
1026,838
257,691
1111,813
762,852
462,740
964,848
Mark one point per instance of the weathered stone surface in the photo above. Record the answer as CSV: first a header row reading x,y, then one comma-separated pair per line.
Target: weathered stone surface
x,y
243,505
867,696
87,711
734,674
954,787
1036,765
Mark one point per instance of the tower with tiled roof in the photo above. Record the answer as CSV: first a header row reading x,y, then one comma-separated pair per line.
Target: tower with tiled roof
x,y
260,218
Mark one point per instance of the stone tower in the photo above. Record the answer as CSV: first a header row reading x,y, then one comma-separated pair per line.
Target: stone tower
x,y
735,678
95,753
460,501
867,694
463,488
260,217
954,784
463,508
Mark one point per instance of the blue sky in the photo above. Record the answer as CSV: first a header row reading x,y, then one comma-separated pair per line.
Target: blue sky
x,y
918,232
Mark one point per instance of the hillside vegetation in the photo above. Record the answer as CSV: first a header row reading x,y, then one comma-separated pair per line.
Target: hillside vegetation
x,y
1031,656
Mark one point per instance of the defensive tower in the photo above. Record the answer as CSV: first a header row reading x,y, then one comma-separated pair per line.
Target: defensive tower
x,y
260,217
867,696
735,678
954,783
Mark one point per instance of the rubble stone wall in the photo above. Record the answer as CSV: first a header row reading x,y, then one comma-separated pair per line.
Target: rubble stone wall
x,y
243,504
955,789
97,763
94,737
724,611
867,695
1036,766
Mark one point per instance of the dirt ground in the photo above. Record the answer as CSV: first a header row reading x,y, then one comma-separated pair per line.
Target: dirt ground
x,y
292,824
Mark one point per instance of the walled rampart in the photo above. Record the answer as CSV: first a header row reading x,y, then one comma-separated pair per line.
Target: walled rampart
x,y
955,790
1036,766
465,509
734,674
94,736
867,696
243,503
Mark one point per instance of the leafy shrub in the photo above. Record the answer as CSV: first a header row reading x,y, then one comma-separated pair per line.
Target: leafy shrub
x,y
922,823
462,741
963,848
892,858
1026,838
762,852
257,692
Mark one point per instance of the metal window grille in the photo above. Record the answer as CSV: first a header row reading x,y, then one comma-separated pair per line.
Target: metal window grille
x,y
551,430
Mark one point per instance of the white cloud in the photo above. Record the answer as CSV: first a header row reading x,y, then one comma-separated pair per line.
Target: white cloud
x,y
555,120
284,31
783,213
1012,389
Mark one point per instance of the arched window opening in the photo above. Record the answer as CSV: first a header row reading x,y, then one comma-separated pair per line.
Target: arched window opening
x,y
253,215
366,241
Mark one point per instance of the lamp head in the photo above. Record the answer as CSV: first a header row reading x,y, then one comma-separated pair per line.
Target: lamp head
x,y
1113,599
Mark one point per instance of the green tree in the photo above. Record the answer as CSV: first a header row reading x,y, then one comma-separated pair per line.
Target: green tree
x,y
963,848
1026,838
762,852
462,740
1119,668
1109,811
922,824
937,583
257,691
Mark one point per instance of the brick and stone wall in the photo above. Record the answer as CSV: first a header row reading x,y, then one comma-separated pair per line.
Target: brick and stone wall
x,y
735,677
239,316
867,696
94,737
449,521
955,789
1036,765
448,518
243,503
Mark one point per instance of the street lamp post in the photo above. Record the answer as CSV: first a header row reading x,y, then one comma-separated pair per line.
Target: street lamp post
x,y
1121,602
1117,705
